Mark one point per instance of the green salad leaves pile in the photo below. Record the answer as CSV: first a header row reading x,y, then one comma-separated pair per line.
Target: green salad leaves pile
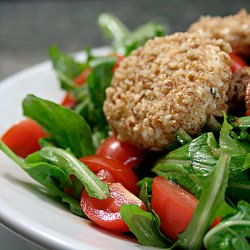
x,y
214,165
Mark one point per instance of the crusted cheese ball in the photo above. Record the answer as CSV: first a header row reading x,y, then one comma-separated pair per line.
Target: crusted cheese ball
x,y
239,91
171,82
234,29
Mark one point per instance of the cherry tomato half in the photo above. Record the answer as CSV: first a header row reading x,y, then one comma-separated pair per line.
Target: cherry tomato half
x,y
120,172
237,62
128,154
106,213
22,138
173,204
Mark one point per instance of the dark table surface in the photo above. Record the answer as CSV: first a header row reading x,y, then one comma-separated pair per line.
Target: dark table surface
x,y
28,28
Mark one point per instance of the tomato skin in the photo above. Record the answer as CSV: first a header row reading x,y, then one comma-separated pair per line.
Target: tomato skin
x,y
174,205
105,176
22,138
120,172
128,154
237,62
81,79
68,101
106,213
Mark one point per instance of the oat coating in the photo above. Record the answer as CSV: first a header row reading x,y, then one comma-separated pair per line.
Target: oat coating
x,y
239,90
234,29
171,82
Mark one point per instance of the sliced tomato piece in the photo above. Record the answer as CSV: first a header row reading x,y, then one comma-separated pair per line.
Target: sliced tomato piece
x,y
128,154
106,213
68,101
174,205
237,62
120,172
105,176
22,138
81,79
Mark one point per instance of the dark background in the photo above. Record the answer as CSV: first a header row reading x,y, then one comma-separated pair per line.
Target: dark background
x,y
28,28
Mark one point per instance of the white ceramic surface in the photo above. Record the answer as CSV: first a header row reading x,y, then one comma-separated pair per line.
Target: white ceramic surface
x,y
25,207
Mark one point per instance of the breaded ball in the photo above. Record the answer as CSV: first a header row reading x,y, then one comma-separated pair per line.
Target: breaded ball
x,y
234,29
239,91
170,83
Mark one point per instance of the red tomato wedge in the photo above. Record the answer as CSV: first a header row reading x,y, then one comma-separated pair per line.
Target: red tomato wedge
x,y
128,154
68,101
81,79
105,176
22,138
106,213
120,172
237,62
174,205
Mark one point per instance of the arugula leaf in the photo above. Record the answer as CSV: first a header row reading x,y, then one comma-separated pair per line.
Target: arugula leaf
x,y
141,35
143,226
183,137
66,67
124,41
49,175
241,122
212,196
231,233
112,28
100,77
144,195
198,158
91,96
66,128
193,158
229,143
71,165
239,188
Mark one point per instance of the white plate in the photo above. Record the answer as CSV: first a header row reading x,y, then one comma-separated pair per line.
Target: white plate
x,y
25,207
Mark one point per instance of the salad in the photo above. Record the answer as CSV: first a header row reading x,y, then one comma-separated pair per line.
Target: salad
x,y
189,186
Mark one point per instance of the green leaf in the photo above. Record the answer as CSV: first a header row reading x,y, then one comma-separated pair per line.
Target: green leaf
x,y
99,78
193,158
112,27
90,97
125,41
239,188
140,36
231,233
48,175
66,67
143,226
230,144
65,127
212,197
71,165
145,196
183,137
